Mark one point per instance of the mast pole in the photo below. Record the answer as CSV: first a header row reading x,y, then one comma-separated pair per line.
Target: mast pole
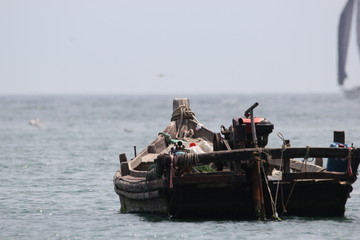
x,y
258,193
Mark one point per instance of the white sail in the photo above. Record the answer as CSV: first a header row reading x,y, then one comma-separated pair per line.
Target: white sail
x,y
343,39
358,25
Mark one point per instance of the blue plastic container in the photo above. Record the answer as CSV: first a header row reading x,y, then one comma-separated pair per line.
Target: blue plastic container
x,y
337,164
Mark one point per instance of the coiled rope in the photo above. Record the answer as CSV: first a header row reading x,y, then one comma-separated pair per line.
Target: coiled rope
x,y
191,159
183,112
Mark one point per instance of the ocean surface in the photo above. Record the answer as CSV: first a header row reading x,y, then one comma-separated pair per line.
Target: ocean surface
x,y
56,173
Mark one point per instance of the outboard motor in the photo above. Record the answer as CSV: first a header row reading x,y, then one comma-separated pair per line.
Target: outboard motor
x,y
241,134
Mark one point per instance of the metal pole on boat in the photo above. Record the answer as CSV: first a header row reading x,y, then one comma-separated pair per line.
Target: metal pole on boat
x,y
250,112
258,194
135,151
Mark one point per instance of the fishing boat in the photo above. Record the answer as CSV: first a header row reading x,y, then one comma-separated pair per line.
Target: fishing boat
x,y
189,171
344,30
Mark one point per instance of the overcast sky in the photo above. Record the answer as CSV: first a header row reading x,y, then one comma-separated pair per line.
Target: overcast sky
x,y
171,46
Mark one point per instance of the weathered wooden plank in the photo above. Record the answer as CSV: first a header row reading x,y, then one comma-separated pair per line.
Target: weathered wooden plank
x,y
124,167
204,178
159,144
247,153
154,205
139,186
297,165
139,196
315,175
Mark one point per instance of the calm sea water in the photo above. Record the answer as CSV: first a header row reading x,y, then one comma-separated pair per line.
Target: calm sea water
x,y
56,180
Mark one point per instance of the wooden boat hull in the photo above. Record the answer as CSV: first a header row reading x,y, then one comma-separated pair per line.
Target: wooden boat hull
x,y
315,198
219,195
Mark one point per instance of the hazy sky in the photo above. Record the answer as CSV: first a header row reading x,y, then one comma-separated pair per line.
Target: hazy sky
x,y
171,46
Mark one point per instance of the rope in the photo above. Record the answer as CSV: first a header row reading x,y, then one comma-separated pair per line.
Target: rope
x,y
283,149
282,200
307,154
183,112
146,183
306,157
349,168
273,206
190,160
133,182
172,170
287,201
